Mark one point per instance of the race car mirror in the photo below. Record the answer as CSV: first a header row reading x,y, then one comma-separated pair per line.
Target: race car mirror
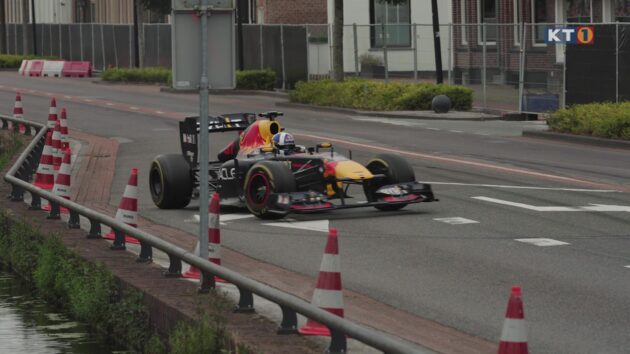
x,y
324,145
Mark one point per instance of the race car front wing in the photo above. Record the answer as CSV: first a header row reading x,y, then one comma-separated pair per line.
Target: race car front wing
x,y
311,201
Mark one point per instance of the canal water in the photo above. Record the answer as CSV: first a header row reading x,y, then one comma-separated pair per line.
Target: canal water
x,y
29,325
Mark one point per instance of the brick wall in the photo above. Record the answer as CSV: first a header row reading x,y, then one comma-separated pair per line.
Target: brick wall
x,y
294,11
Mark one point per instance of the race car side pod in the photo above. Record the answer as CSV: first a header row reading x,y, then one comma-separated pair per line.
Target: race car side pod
x,y
328,294
127,212
514,334
214,239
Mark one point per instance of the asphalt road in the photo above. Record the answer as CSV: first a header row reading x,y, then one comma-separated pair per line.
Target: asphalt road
x,y
457,272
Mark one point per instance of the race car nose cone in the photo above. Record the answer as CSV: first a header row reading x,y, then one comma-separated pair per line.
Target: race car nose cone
x,y
351,170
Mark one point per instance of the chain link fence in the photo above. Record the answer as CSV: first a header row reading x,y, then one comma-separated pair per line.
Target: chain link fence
x,y
510,67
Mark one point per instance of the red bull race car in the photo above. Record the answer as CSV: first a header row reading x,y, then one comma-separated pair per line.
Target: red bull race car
x,y
266,172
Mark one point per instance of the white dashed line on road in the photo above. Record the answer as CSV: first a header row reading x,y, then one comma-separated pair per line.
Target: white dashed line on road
x,y
456,220
109,104
433,128
521,187
134,108
455,131
542,242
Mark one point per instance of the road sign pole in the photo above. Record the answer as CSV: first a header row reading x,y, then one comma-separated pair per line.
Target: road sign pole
x,y
203,138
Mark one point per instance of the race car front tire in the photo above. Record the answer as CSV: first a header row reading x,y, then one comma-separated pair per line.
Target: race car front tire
x,y
263,179
395,168
170,181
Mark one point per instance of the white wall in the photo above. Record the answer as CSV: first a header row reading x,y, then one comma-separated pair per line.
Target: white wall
x,y
399,59
53,11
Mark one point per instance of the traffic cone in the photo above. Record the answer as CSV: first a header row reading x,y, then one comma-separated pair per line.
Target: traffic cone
x,y
65,144
52,113
62,182
57,152
128,208
18,112
45,176
328,294
214,239
514,334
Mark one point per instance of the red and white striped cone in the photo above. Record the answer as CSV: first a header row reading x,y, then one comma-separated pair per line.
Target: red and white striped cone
x,y
214,239
57,152
65,144
52,113
128,208
18,111
514,334
328,294
45,176
62,182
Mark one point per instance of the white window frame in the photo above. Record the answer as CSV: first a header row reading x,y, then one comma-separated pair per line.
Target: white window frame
x,y
480,24
464,23
534,23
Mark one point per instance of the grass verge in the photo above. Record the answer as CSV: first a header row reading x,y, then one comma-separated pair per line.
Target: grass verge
x,y
605,120
13,61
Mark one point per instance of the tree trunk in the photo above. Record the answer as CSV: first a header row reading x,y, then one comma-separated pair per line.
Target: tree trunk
x,y
337,49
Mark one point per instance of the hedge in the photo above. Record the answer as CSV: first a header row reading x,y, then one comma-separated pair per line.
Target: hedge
x,y
606,120
14,61
378,96
156,75
256,79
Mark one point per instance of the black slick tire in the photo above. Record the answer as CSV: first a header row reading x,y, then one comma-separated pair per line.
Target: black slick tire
x,y
170,181
395,168
263,179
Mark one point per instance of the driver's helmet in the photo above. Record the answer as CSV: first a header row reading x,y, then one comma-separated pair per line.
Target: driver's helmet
x,y
283,142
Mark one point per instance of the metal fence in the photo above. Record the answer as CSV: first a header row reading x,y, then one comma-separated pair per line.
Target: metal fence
x,y
510,67
21,173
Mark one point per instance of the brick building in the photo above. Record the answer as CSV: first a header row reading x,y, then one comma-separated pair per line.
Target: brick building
x,y
290,11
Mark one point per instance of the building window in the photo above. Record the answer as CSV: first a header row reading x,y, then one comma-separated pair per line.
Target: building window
x,y
464,23
393,20
487,18
622,10
540,20
579,11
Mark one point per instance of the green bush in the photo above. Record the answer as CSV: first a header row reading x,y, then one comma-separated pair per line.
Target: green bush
x,y
606,120
14,61
378,96
256,79
143,75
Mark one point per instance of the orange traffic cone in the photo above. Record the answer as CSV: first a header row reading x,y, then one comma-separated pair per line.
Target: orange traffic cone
x,y
57,152
128,208
62,182
214,239
514,334
45,176
328,294
52,113
65,144
18,111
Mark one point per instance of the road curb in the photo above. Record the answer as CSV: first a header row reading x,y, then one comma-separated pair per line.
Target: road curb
x,y
578,139
392,114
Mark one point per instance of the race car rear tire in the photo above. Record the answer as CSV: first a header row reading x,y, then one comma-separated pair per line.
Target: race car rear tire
x,y
170,181
395,168
262,179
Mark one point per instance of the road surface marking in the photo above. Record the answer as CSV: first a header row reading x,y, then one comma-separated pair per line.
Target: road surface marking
x,y
433,128
542,242
134,108
159,112
628,266
522,187
315,225
109,104
591,207
87,100
456,220
455,131
231,217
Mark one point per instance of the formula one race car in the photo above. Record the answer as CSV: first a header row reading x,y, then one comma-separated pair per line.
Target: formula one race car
x,y
271,182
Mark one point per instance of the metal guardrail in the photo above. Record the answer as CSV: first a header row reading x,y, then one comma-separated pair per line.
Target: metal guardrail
x,y
26,165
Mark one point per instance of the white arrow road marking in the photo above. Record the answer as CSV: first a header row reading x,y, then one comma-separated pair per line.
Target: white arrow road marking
x,y
542,242
591,207
315,225
456,221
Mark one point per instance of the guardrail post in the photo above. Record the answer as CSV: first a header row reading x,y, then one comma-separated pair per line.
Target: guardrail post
x,y
245,302
174,267
289,321
95,230
337,342
207,283
17,194
55,213
146,253
74,222
119,241
36,202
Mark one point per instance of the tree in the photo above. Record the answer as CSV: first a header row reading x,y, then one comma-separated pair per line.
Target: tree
x,y
337,47
162,7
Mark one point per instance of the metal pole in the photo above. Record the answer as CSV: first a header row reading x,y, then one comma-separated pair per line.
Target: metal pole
x,y
203,139
483,66
356,49
308,55
450,56
437,45
261,46
34,27
521,68
284,77
384,33
81,39
415,52
93,41
616,61
103,47
136,45
239,28
3,28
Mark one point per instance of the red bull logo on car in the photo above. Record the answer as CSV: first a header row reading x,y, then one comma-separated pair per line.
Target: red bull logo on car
x,y
571,35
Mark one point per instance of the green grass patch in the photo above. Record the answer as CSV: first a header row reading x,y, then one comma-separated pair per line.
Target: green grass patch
x,y
605,120
256,79
14,61
378,96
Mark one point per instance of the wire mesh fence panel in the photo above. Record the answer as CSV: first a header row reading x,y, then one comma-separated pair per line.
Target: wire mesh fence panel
x,y
164,45
371,61
295,55
468,60
65,45
98,47
11,39
272,52
19,42
623,62
123,49
110,47
318,48
87,42
150,54
75,42
251,47
55,40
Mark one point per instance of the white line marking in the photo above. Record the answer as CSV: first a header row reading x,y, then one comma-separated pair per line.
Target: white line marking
x,y
591,207
87,100
542,242
67,97
134,108
455,131
433,128
316,225
110,104
522,187
159,112
456,220
628,266
232,217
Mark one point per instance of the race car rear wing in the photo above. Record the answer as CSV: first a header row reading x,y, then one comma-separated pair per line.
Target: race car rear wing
x,y
189,130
